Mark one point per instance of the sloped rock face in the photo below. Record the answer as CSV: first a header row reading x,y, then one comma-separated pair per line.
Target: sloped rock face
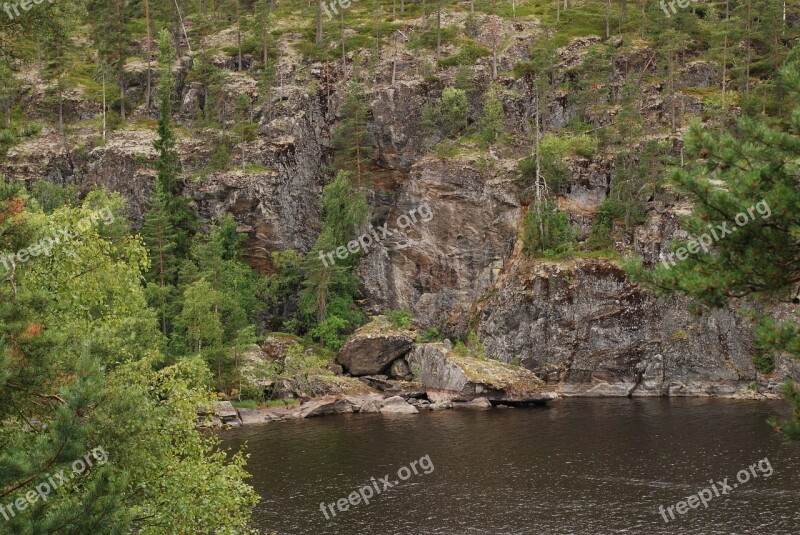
x,y
373,347
584,326
447,376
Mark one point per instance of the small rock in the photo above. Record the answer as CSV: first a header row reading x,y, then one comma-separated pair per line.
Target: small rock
x,y
442,405
400,369
371,407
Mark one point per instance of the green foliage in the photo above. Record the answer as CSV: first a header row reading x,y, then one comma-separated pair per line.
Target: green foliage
x,y
471,347
748,174
52,196
349,136
327,301
469,54
432,334
545,231
78,359
400,318
453,111
491,125
427,38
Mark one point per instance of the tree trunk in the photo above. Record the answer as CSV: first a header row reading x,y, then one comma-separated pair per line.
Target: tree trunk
x,y
318,40
494,43
61,111
724,68
344,54
239,31
149,56
265,42
394,60
104,103
122,92
749,44
438,31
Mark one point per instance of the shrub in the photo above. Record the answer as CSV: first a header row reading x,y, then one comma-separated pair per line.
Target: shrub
x,y
493,117
453,111
545,232
400,318
469,54
432,334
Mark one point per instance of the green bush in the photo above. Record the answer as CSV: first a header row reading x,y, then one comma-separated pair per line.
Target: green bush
x,y
545,232
431,335
453,111
469,54
400,318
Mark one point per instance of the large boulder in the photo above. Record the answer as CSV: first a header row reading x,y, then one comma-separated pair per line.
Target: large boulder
x,y
373,347
325,406
449,376
398,405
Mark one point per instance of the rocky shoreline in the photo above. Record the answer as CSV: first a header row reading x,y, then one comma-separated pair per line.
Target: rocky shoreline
x,y
382,369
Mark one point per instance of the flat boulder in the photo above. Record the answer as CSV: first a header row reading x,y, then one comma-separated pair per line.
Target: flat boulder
x,y
372,348
475,404
325,406
398,405
447,375
366,403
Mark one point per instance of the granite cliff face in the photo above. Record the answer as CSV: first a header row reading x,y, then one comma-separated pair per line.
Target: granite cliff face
x,y
579,324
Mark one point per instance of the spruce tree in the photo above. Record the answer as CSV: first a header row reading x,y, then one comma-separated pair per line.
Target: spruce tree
x,y
159,236
168,166
327,301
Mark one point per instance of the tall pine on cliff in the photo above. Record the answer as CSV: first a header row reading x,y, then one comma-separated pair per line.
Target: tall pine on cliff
x,y
754,172
168,165
348,138
327,301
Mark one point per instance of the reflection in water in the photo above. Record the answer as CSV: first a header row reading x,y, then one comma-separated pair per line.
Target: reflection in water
x,y
579,466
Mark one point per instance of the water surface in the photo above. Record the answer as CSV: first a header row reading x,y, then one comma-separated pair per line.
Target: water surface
x,y
580,466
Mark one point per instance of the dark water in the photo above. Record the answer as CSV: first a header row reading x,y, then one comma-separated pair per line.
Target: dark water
x,y
579,466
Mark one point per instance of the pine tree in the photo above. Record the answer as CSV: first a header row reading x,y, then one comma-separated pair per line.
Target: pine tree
x,y
112,38
749,175
349,136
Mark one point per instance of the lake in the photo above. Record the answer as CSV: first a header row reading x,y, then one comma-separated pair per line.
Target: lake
x,y
578,466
